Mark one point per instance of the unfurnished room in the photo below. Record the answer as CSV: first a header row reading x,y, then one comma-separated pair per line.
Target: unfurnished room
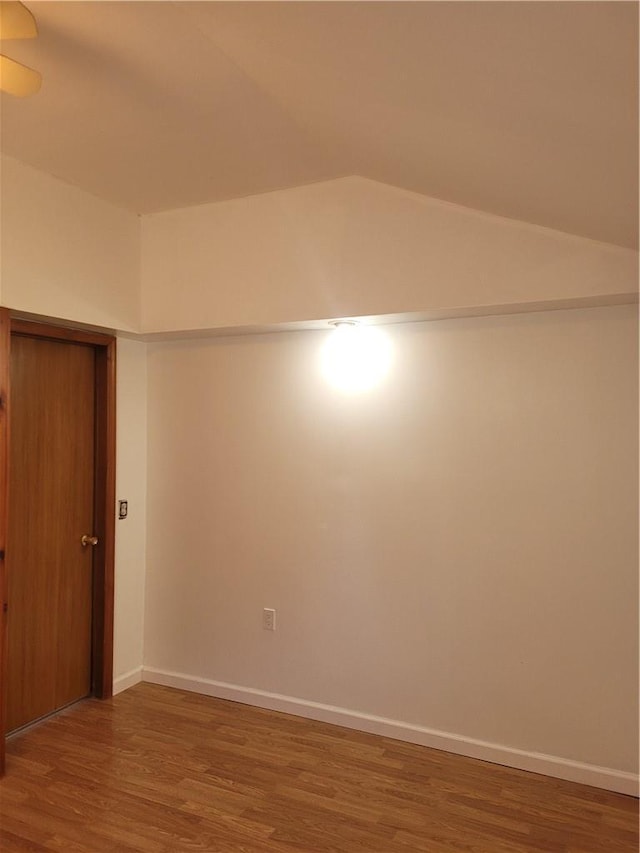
x,y
319,426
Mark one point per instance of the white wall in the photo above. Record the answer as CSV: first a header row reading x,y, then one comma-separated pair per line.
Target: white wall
x,y
347,247
131,485
70,256
65,253
354,247
456,550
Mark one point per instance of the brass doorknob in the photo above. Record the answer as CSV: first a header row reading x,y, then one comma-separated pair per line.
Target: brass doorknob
x,y
89,540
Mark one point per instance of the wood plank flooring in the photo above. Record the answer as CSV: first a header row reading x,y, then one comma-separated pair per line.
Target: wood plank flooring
x,y
163,771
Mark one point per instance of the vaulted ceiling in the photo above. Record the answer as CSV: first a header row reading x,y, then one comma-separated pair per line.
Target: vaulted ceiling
x,y
524,109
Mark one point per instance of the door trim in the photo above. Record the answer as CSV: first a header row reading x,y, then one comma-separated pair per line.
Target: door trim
x,y
104,496
5,341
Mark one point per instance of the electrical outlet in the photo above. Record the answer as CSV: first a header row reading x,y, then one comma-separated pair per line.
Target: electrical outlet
x,y
269,619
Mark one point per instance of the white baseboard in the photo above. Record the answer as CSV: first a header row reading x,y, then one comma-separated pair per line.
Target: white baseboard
x,y
123,682
548,765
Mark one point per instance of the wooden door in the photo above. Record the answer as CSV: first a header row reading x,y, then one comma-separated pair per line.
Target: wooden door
x,y
51,506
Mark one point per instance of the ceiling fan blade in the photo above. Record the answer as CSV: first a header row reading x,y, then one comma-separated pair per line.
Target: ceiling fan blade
x,y
17,79
16,21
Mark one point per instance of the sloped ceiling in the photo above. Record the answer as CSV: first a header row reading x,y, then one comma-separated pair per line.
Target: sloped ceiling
x,y
524,109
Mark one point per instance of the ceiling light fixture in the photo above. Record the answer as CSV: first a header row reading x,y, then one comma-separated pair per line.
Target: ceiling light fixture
x,y
17,22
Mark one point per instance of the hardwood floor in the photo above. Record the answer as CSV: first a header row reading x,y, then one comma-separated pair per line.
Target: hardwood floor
x,y
165,771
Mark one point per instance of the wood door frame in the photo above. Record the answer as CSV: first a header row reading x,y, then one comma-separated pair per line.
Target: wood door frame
x,y
5,344
104,497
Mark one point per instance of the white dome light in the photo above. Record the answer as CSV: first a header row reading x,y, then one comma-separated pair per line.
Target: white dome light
x,y
355,358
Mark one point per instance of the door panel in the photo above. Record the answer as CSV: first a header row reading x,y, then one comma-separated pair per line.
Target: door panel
x,y
51,492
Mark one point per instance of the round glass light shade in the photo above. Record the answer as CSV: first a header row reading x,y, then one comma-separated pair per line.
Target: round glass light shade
x,y
355,358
